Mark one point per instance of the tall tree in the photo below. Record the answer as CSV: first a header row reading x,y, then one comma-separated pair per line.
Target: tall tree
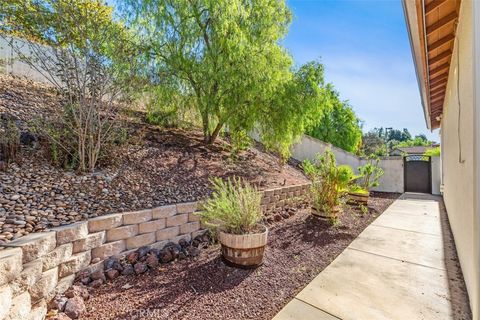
x,y
338,123
225,53
373,143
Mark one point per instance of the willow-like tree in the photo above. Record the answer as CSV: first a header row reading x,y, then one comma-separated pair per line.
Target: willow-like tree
x,y
226,54
338,124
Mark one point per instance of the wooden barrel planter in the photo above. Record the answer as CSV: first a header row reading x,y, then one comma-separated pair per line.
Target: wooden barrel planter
x,y
243,250
358,198
320,213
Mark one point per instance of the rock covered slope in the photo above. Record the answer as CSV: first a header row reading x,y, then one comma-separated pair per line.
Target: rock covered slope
x,y
155,167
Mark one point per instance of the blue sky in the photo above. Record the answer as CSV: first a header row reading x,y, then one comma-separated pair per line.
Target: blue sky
x,y
365,49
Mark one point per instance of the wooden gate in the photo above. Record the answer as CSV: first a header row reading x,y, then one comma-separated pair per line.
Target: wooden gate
x,y
417,173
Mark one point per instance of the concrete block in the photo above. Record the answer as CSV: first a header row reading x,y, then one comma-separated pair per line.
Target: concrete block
x,y
189,227
94,267
93,240
71,232
10,264
76,263
151,226
21,307
109,249
39,311
44,288
164,211
105,222
5,301
122,232
31,273
36,245
57,256
186,207
140,240
137,217
167,233
192,217
177,220
64,283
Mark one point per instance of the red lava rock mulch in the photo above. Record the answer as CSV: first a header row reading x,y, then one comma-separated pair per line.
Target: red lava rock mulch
x,y
299,248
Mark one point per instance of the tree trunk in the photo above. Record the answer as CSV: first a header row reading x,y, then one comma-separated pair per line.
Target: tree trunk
x,y
215,133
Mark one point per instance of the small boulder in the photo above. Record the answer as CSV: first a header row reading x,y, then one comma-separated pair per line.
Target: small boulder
x,y
196,242
155,251
77,291
152,260
127,270
58,303
75,307
140,267
98,275
110,262
192,251
165,256
142,252
175,250
27,138
112,274
183,243
132,257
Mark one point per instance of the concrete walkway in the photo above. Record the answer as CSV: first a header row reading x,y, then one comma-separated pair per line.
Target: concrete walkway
x,y
402,266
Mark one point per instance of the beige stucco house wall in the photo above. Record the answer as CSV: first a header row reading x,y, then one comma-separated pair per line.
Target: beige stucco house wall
x,y
459,125
457,134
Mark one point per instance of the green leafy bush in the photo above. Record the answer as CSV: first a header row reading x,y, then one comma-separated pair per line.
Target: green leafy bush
x,y
329,183
239,141
234,207
371,174
435,152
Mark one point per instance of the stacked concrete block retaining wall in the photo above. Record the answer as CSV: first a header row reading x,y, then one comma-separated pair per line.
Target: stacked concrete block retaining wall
x,y
274,199
34,268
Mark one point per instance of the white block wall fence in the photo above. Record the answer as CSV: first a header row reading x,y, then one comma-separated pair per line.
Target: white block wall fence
x,y
391,181
36,267
10,64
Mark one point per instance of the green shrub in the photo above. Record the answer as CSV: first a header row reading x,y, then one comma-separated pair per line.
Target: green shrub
x,y
234,207
371,173
239,141
329,183
435,152
162,118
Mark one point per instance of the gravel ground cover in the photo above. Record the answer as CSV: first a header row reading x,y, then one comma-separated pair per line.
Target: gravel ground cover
x,y
299,248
